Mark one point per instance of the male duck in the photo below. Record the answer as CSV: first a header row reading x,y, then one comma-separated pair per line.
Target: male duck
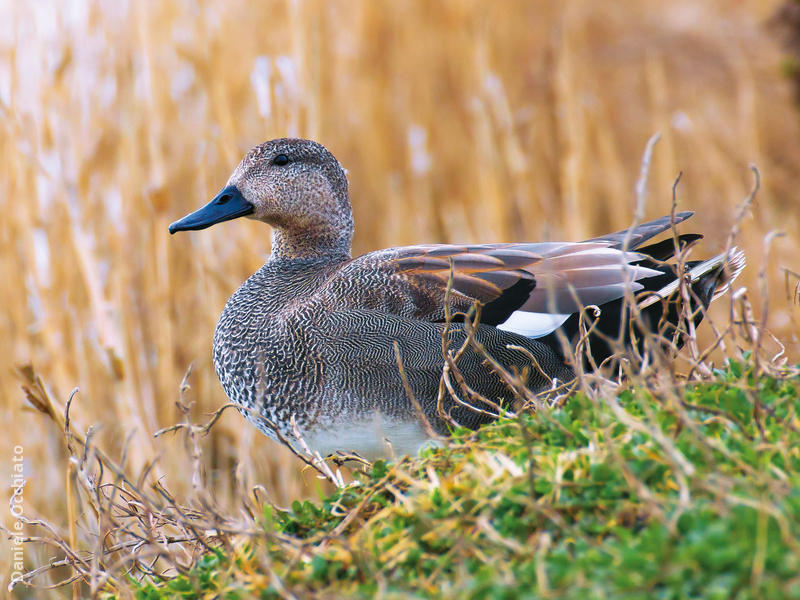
x,y
308,341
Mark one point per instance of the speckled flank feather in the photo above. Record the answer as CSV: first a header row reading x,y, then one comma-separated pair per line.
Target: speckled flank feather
x,y
310,336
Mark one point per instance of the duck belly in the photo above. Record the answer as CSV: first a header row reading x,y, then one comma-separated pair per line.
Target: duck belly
x,y
372,436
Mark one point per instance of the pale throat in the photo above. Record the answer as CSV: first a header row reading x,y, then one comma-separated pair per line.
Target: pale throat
x,y
320,240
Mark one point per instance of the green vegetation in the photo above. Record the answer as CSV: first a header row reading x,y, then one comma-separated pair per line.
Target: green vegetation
x,y
687,493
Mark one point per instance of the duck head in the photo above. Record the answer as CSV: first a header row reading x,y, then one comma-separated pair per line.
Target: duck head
x,y
297,186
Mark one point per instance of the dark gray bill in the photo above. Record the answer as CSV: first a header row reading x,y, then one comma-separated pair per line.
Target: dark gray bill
x,y
228,204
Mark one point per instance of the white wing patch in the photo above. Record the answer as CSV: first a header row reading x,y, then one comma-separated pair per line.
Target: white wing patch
x,y
532,324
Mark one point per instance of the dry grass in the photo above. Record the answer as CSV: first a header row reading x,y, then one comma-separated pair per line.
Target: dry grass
x,y
651,464
457,121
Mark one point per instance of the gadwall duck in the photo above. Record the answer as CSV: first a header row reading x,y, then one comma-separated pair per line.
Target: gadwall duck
x,y
310,343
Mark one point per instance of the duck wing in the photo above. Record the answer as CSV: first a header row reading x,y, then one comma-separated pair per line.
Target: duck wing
x,y
529,288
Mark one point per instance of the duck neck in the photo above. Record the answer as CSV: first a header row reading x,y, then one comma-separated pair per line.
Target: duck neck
x,y
312,242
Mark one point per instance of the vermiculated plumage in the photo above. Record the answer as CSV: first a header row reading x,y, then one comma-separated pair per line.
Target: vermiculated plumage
x,y
310,337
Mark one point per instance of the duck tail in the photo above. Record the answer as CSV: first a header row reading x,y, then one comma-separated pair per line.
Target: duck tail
x,y
709,279
660,308
664,310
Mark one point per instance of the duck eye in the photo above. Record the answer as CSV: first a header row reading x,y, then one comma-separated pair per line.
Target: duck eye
x,y
280,160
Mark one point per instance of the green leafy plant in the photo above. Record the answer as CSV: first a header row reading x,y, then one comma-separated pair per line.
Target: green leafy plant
x,y
697,496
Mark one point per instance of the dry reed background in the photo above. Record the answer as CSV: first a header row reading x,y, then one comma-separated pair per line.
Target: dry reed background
x,y
456,120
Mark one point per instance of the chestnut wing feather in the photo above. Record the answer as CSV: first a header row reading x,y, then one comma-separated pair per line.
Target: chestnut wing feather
x,y
547,277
